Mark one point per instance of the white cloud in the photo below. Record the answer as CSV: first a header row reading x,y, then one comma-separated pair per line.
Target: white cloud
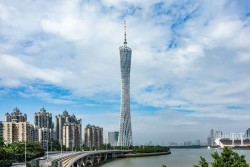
x,y
244,57
14,68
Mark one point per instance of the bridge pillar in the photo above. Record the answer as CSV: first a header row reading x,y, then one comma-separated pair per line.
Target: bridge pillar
x,y
91,160
99,158
59,163
105,156
79,163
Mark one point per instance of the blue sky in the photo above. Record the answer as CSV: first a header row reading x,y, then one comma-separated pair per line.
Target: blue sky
x,y
190,63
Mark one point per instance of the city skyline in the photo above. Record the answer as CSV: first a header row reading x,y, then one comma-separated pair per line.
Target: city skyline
x,y
191,63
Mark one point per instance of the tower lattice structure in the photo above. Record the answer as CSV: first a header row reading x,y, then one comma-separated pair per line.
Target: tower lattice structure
x,y
125,135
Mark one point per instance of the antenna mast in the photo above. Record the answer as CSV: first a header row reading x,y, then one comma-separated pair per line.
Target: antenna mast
x,y
125,40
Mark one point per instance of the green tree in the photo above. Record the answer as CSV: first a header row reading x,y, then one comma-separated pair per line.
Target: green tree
x,y
1,142
6,157
106,146
56,146
150,149
202,163
17,151
228,158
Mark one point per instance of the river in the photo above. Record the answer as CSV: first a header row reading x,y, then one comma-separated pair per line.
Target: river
x,y
178,158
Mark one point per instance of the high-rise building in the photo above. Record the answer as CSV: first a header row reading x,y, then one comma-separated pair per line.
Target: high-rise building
x,y
212,137
72,135
218,134
93,136
43,119
45,135
17,131
62,122
248,132
36,134
113,138
15,116
125,134
209,141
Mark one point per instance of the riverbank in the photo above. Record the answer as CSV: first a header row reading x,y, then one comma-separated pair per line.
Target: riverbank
x,y
124,156
143,154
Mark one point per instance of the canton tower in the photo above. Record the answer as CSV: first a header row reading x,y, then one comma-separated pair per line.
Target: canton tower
x,y
125,135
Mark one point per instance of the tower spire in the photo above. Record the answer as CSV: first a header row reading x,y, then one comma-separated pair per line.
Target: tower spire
x,y
125,40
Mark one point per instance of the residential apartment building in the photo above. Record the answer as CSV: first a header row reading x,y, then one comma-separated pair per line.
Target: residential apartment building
x,y
15,116
17,131
43,119
66,125
45,135
93,136
72,135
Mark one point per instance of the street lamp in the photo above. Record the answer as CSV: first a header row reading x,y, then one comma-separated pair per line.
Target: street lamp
x,y
47,150
90,146
61,148
47,147
51,145
24,149
25,152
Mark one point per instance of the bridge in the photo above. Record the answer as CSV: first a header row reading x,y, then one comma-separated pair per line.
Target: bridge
x,y
79,159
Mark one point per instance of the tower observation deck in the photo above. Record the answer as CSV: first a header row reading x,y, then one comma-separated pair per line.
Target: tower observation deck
x,y
125,134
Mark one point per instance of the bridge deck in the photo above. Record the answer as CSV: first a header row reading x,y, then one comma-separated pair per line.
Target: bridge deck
x,y
69,158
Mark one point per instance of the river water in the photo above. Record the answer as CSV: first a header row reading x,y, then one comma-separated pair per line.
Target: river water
x,y
178,158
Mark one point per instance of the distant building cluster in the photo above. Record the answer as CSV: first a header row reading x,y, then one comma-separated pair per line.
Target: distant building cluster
x,y
16,128
67,130
217,138
186,143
